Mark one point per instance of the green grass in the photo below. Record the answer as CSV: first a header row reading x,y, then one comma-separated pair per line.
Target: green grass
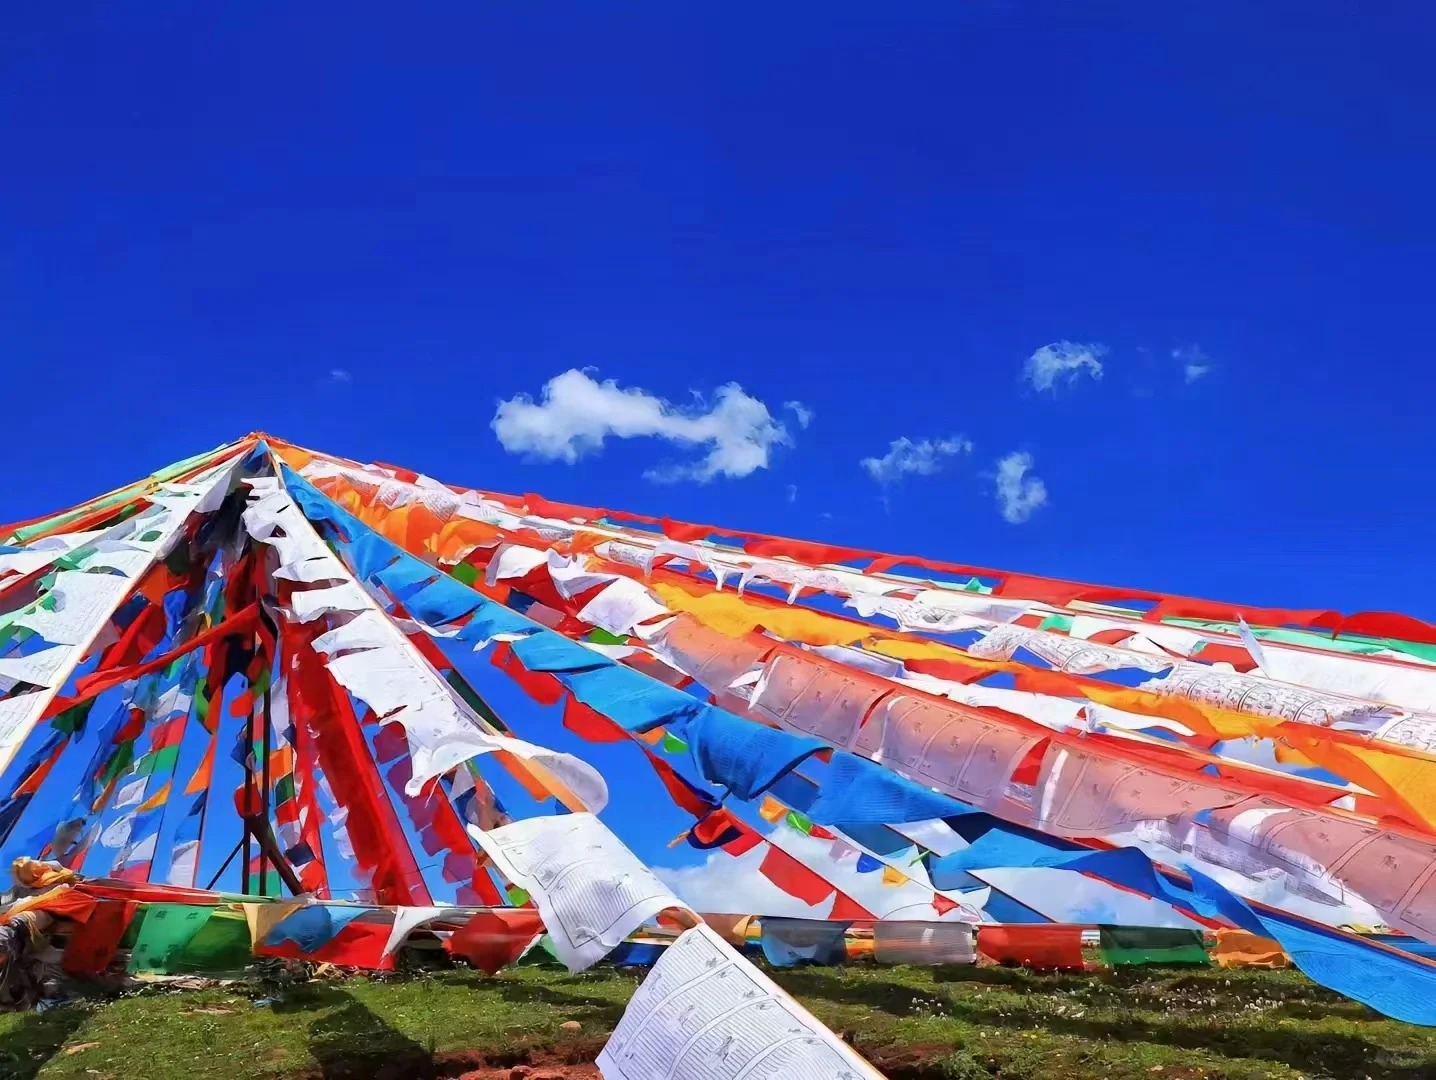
x,y
916,1023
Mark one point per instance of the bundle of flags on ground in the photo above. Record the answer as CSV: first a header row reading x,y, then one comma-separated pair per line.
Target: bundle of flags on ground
x,y
102,923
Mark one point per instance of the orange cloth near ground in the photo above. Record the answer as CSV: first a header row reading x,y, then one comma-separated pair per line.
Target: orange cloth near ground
x,y
1239,949
61,902
1039,947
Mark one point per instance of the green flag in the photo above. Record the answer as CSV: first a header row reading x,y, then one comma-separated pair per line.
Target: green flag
x,y
163,935
799,822
1124,945
599,636
221,944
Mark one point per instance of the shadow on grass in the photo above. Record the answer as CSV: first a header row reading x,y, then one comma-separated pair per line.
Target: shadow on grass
x,y
37,1039
592,1010
349,1041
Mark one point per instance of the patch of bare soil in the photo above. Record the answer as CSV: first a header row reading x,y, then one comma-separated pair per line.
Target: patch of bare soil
x,y
571,1061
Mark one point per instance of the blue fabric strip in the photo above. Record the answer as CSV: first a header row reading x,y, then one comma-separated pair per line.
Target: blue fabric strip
x,y
744,757
861,792
441,601
636,954
555,653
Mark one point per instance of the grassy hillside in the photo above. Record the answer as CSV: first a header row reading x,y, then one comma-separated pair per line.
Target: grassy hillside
x,y
915,1023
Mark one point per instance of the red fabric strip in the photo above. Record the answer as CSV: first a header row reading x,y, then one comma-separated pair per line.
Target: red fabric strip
x,y
1041,948
494,939
794,878
91,948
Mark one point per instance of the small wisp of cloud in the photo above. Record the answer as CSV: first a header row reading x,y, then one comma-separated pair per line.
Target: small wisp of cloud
x,y
576,414
1063,363
792,493
1195,363
1019,494
921,458
340,375
801,413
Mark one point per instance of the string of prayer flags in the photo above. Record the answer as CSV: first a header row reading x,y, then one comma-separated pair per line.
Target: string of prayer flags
x,y
924,721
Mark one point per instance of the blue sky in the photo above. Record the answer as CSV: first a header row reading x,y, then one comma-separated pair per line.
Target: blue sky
x,y
205,214
990,229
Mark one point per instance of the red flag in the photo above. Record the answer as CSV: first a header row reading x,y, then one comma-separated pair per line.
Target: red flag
x,y
846,908
588,724
494,939
746,842
794,878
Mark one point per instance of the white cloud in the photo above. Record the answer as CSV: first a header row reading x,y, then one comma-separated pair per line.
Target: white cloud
x,y
801,413
918,458
1195,363
1063,361
577,414
340,375
1018,494
792,493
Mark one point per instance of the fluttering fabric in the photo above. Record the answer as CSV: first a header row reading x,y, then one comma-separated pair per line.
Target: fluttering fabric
x,y
318,631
